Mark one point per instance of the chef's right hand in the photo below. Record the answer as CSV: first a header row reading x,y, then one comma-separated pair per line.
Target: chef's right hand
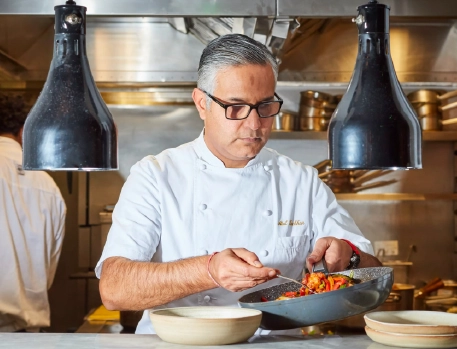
x,y
237,269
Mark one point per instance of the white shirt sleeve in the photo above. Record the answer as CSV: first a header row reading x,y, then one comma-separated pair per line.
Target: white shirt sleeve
x,y
59,211
330,219
136,228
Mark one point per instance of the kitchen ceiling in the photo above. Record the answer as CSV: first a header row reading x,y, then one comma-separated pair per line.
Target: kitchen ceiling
x,y
132,42
233,8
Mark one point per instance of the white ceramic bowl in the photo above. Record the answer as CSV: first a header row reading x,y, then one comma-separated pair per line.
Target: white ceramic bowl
x,y
205,325
413,322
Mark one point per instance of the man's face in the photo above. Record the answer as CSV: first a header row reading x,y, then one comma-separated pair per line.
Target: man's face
x,y
235,142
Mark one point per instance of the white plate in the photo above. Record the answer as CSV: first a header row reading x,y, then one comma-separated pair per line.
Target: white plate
x,y
413,322
412,340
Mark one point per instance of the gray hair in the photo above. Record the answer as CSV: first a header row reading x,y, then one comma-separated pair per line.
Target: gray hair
x,y
228,51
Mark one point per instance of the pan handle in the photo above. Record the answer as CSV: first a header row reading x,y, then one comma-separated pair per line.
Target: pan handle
x,y
321,165
449,106
324,174
448,95
374,185
448,121
358,173
369,176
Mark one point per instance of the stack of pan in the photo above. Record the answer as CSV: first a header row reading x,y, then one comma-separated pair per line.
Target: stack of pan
x,y
316,109
349,181
429,105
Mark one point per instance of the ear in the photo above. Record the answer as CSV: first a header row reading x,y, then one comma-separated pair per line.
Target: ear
x,y
199,98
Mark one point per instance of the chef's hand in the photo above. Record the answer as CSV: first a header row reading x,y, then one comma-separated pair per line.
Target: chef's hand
x,y
237,269
337,254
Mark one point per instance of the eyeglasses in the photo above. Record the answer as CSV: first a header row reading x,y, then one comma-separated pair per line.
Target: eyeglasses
x,y
241,111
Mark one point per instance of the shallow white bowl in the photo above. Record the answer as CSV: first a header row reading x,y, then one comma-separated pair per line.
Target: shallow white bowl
x,y
205,325
413,322
412,340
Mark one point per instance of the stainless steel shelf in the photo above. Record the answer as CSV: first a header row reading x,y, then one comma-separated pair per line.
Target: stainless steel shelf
x,y
348,8
233,8
395,197
429,136
141,8
311,135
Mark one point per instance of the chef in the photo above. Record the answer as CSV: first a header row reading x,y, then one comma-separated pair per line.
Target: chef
x,y
32,228
206,222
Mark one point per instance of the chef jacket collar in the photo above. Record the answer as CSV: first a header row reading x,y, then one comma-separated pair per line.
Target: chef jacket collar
x,y
207,156
14,149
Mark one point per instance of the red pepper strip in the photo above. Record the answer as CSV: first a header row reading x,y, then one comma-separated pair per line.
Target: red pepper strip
x,y
337,285
327,285
290,294
338,278
263,299
302,291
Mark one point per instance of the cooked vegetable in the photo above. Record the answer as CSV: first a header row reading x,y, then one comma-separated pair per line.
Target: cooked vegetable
x,y
319,283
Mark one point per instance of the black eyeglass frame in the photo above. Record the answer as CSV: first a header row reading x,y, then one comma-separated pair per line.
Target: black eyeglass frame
x,y
251,106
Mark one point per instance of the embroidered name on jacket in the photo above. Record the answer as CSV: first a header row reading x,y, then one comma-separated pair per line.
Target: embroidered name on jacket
x,y
291,222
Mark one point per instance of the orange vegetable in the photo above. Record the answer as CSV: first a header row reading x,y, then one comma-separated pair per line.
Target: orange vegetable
x,y
327,285
330,280
319,283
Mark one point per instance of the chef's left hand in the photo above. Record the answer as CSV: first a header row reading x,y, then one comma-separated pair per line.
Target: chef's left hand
x,y
337,254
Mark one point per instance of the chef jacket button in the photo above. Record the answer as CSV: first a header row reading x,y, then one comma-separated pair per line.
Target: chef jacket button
x,y
207,299
266,168
203,252
267,213
202,167
264,253
203,207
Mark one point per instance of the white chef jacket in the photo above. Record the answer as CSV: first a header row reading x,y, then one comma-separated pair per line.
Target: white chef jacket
x,y
184,202
32,218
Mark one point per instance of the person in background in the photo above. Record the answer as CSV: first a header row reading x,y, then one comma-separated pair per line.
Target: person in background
x,y
203,223
32,224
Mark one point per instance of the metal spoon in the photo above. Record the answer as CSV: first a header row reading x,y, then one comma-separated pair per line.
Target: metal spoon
x,y
283,277
298,282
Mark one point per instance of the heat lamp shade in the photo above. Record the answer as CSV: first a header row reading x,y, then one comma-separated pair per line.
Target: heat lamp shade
x,y
70,127
374,126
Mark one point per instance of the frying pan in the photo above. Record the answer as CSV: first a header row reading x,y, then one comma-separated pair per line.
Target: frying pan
x,y
372,291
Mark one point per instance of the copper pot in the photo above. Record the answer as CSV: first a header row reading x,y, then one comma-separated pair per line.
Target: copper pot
x,y
316,99
429,104
426,103
340,181
316,109
314,123
286,120
424,96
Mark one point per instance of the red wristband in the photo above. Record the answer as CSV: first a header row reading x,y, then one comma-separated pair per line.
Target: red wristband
x,y
207,268
354,248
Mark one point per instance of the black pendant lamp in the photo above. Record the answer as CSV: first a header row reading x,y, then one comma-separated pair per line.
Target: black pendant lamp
x,y
374,125
70,127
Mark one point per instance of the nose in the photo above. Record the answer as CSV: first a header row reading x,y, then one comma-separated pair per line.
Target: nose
x,y
253,121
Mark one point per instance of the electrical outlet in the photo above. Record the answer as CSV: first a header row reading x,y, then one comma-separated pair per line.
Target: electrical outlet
x,y
386,248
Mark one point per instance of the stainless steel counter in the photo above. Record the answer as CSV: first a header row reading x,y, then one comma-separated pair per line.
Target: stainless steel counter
x,y
132,341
